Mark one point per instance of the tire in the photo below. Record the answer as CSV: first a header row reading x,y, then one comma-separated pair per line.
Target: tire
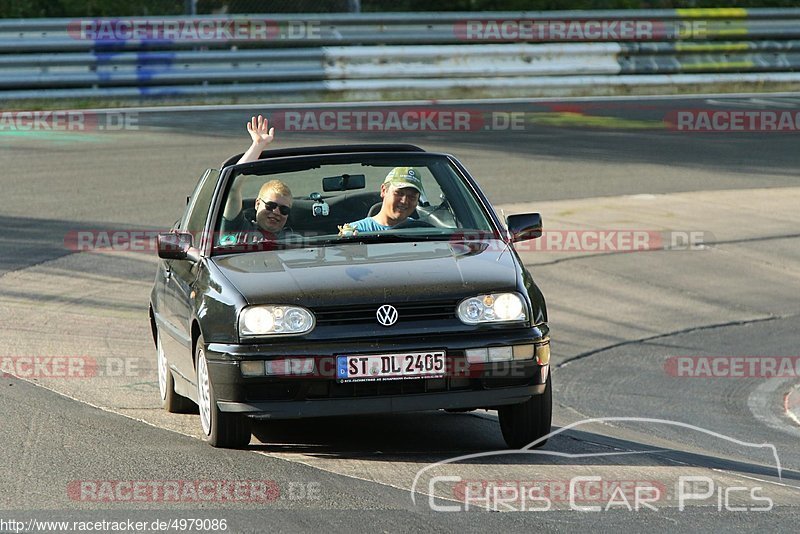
x,y
220,429
524,423
170,401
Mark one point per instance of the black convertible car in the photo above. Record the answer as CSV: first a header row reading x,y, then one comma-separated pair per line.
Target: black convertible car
x,y
437,312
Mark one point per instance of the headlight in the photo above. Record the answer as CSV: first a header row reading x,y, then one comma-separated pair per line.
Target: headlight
x,y
492,308
275,320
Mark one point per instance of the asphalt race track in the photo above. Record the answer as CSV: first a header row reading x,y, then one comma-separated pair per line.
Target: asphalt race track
x,y
674,368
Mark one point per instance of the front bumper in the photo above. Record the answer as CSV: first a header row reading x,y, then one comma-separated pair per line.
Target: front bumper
x,y
465,385
387,404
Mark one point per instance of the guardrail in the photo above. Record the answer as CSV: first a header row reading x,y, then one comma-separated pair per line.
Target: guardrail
x,y
399,55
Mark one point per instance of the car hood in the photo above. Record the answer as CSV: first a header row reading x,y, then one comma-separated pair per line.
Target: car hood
x,y
356,273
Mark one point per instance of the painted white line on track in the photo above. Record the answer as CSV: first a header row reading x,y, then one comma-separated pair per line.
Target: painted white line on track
x,y
364,479
263,453
102,408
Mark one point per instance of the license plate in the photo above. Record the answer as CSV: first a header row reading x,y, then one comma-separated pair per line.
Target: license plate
x,y
380,367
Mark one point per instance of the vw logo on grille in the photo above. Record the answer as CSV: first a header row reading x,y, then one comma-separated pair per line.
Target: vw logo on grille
x,y
387,315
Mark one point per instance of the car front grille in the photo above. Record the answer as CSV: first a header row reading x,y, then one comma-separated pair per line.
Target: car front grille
x,y
407,312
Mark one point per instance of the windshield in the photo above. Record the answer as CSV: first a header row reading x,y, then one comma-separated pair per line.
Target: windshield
x,y
335,199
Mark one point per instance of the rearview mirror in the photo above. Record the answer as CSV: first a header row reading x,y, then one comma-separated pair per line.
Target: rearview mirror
x,y
524,226
345,182
177,246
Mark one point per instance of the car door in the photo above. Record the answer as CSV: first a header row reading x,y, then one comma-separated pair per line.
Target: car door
x,y
180,278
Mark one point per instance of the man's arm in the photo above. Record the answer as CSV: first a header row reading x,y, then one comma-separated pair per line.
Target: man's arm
x,y
261,136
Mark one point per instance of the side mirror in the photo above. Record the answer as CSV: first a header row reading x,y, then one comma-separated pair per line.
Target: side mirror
x,y
177,246
524,226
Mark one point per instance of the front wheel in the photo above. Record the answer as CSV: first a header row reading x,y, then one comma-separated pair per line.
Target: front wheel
x,y
220,429
524,423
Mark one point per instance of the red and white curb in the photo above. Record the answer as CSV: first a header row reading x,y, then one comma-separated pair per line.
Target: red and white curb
x,y
791,404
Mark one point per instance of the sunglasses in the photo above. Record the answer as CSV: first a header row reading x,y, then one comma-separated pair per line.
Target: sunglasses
x,y
270,205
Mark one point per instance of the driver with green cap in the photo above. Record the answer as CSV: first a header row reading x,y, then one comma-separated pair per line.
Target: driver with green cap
x,y
400,192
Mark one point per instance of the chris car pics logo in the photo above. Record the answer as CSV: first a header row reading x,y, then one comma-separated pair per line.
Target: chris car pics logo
x,y
451,486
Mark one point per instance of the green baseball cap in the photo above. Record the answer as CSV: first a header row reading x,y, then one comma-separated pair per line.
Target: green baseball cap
x,y
400,177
